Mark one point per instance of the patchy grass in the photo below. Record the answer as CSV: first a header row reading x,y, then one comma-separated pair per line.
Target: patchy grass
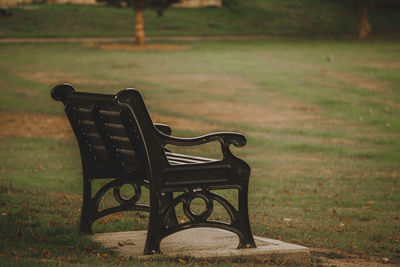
x,y
323,140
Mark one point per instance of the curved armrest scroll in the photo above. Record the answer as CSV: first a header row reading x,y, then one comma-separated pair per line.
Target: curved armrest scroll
x,y
165,129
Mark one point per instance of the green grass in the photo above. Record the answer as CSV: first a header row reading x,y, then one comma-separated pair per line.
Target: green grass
x,y
323,140
244,17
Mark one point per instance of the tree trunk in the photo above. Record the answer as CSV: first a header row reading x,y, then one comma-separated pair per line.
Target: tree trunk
x,y
364,28
139,26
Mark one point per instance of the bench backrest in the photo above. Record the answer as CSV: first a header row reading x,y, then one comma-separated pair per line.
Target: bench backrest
x,y
109,136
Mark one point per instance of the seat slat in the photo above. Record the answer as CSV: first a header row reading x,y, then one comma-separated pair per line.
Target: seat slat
x,y
178,159
184,160
188,156
172,162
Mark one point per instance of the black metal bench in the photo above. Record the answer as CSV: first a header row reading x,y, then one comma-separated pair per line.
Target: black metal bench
x,y
117,139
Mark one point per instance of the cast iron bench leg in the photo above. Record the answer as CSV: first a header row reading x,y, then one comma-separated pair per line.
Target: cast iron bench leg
x,y
154,232
88,209
247,240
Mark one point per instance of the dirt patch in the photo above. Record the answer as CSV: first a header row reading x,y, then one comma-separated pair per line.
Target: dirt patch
x,y
183,124
384,65
24,124
52,78
330,257
386,102
288,114
345,142
378,86
322,81
362,82
133,47
213,84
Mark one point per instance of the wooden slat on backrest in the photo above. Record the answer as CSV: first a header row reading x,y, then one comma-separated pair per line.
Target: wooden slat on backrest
x,y
96,120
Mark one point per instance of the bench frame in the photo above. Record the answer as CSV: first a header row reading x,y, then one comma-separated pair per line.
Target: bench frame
x,y
171,178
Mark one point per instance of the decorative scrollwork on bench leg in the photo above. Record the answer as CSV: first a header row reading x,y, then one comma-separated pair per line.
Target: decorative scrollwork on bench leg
x,y
90,208
203,216
187,198
237,224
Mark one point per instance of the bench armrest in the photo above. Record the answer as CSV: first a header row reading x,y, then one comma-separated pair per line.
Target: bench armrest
x,y
165,129
225,138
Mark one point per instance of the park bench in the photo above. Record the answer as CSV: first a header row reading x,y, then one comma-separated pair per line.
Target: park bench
x,y
117,139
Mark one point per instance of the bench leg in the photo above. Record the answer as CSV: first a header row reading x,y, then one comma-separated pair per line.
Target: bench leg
x,y
156,226
86,220
153,233
157,222
85,225
243,223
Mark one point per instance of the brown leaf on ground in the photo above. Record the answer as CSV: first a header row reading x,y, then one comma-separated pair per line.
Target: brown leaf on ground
x,y
46,252
286,191
44,238
181,260
105,256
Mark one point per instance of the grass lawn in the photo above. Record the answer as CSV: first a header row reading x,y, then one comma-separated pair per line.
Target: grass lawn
x,y
322,120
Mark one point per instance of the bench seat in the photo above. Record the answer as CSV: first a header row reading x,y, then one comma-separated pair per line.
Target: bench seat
x,y
180,159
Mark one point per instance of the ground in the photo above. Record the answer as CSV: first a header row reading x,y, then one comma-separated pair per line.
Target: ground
x,y
55,126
